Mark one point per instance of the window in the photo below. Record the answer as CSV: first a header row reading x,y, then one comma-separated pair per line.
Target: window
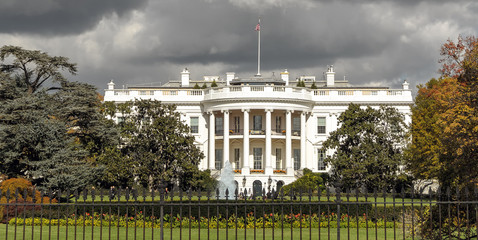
x,y
278,124
257,123
237,124
278,158
218,126
218,159
296,159
296,126
320,159
237,157
321,125
194,124
257,158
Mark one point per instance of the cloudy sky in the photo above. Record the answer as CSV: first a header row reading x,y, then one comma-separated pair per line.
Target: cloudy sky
x,y
371,42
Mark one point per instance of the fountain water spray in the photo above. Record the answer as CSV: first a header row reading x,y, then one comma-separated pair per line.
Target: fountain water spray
x,y
227,182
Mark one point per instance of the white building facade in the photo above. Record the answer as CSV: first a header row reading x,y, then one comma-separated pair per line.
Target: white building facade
x,y
268,129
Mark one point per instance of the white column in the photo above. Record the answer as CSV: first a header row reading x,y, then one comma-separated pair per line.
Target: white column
x,y
226,136
268,168
303,162
212,141
245,147
288,143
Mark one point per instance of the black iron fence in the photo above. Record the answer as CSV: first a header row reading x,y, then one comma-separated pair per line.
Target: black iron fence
x,y
131,214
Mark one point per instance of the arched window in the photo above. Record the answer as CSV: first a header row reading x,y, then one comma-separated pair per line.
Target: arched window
x,y
257,188
280,184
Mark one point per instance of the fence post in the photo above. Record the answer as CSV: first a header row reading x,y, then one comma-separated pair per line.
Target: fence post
x,y
338,201
161,213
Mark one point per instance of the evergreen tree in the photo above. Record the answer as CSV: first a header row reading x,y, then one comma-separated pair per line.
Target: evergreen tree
x,y
52,137
213,84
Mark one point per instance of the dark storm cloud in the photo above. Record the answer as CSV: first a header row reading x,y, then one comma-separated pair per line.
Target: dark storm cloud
x,y
293,37
372,42
379,42
50,17
401,2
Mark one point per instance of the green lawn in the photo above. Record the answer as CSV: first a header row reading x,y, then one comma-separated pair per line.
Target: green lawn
x,y
131,233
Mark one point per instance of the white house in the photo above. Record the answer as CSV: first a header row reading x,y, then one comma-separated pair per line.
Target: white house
x,y
267,128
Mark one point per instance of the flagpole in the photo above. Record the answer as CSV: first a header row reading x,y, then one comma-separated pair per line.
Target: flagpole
x,y
259,50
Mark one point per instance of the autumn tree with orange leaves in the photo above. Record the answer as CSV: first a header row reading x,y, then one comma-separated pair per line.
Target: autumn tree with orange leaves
x,y
445,119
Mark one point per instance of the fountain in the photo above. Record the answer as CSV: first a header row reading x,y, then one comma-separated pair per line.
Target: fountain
x,y
227,182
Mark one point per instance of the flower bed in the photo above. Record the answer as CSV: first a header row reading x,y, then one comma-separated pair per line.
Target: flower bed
x,y
269,220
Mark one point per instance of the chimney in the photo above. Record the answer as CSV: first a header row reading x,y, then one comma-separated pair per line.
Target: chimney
x,y
111,85
185,78
405,84
330,76
229,77
285,76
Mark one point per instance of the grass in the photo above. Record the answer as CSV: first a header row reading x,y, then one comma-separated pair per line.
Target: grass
x,y
132,233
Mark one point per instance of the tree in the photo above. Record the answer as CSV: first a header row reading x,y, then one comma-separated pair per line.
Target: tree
x,y
204,86
445,117
196,86
425,153
37,144
52,137
213,84
157,147
458,57
367,148
34,68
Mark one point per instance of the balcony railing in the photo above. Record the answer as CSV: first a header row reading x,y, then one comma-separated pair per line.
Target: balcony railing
x,y
236,132
278,131
257,132
252,92
275,132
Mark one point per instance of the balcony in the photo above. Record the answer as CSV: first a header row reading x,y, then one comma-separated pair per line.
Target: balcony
x,y
278,131
236,132
274,132
258,92
247,92
257,132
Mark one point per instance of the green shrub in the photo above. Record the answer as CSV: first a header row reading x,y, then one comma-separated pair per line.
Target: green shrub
x,y
172,221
